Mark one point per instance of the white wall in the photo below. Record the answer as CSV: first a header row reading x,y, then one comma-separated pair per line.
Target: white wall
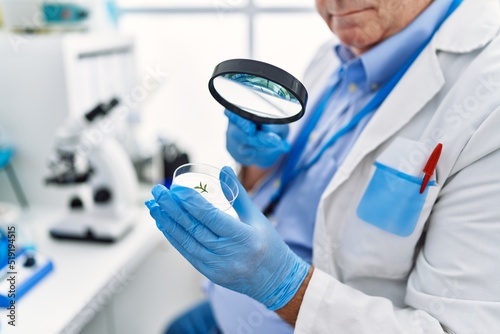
x,y
188,48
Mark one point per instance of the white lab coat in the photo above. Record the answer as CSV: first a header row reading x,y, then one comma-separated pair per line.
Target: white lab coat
x,y
369,280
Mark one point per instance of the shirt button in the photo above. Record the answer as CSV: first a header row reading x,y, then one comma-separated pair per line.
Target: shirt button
x,y
276,184
312,136
374,86
353,87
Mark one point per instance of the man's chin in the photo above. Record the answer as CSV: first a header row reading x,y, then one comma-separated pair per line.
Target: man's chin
x,y
357,40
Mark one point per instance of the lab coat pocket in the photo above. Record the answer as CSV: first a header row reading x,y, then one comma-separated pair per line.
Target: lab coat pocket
x,y
387,214
392,201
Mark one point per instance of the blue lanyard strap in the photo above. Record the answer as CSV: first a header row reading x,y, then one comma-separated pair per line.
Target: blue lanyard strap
x,y
290,171
303,137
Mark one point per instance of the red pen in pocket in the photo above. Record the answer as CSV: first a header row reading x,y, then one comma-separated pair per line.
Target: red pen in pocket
x,y
430,166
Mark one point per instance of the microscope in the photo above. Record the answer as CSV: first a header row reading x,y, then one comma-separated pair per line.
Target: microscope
x,y
94,173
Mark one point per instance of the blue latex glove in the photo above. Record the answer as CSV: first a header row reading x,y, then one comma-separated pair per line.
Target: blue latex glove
x,y
246,256
250,146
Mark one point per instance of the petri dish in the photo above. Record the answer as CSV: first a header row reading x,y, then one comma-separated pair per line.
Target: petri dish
x,y
215,185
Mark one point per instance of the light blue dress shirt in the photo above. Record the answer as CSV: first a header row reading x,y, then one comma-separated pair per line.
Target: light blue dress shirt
x,y
357,79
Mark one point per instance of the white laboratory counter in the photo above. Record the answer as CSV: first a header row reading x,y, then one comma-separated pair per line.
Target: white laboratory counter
x,y
85,275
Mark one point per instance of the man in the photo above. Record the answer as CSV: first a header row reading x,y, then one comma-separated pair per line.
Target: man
x,y
417,88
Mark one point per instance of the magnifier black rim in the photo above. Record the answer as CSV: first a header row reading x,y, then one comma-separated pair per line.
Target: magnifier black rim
x,y
266,71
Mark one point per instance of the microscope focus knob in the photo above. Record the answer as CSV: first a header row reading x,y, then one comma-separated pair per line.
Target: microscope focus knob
x,y
76,203
102,195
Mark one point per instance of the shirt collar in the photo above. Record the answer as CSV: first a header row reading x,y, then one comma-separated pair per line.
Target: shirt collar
x,y
380,63
351,69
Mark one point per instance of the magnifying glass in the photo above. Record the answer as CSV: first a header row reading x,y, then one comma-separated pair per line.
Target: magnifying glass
x,y
258,91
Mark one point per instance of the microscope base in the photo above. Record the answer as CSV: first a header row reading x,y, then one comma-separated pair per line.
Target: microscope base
x,y
92,228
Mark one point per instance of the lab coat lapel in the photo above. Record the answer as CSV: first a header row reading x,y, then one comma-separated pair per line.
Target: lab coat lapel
x,y
396,111
422,81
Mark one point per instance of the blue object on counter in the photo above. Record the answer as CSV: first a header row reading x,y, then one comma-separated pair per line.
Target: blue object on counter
x,y
39,270
4,249
5,156
64,13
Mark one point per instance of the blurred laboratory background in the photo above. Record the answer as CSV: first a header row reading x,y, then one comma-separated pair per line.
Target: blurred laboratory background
x,y
100,100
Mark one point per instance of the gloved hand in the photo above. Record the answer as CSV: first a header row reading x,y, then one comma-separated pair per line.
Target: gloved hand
x,y
246,256
250,146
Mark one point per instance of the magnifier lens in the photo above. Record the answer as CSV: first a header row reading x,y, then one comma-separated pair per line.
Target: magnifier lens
x,y
257,95
258,91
